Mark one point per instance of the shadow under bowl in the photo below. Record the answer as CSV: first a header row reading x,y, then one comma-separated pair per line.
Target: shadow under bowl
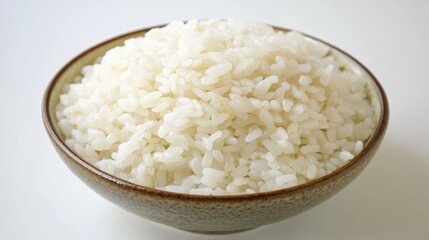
x,y
196,213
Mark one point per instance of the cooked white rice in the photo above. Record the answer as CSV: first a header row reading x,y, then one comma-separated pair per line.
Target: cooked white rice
x,y
218,107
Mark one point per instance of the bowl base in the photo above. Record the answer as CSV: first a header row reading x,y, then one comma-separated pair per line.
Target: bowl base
x,y
216,232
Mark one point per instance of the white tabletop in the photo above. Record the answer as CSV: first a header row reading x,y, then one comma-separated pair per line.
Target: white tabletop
x,y
41,199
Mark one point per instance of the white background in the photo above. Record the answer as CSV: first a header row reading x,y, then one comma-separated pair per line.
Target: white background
x,y
41,199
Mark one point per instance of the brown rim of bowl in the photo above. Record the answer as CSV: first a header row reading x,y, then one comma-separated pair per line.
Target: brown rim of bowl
x,y
378,133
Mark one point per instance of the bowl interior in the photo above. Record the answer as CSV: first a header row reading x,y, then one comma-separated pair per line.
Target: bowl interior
x,y
73,69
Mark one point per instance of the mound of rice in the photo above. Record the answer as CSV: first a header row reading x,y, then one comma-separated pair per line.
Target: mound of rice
x,y
218,107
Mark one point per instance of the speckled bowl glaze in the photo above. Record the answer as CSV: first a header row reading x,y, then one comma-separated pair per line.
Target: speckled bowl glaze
x,y
204,214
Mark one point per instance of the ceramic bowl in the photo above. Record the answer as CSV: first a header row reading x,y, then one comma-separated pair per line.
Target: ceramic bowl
x,y
205,214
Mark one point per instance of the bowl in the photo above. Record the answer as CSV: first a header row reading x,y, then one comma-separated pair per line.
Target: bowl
x,y
197,213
